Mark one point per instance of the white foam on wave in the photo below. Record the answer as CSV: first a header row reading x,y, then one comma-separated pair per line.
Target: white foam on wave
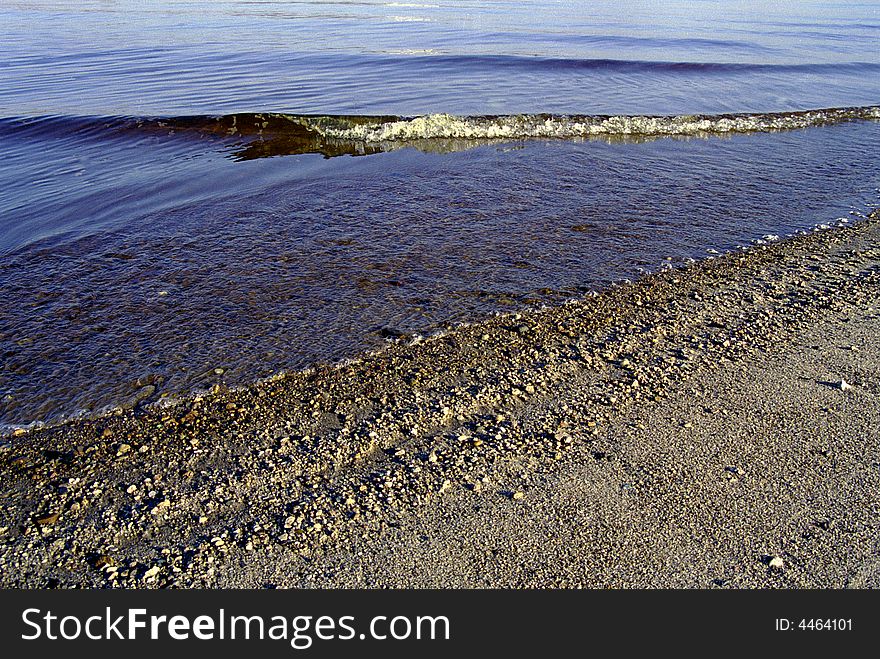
x,y
447,126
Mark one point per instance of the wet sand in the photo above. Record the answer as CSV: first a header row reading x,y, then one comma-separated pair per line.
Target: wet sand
x,y
708,427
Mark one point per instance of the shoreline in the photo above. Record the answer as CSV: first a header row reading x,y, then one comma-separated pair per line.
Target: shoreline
x,y
172,400
331,476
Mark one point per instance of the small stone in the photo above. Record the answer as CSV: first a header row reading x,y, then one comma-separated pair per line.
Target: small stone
x,y
161,507
48,520
152,572
140,396
843,385
777,563
518,495
122,449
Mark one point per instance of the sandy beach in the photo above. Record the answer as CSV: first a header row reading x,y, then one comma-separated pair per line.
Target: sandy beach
x,y
715,426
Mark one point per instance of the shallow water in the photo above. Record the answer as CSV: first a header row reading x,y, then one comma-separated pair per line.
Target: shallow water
x,y
171,215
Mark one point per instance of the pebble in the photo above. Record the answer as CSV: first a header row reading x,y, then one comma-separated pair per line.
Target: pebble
x,y
161,507
48,520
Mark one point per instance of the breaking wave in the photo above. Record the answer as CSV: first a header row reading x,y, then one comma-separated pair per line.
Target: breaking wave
x,y
269,134
444,126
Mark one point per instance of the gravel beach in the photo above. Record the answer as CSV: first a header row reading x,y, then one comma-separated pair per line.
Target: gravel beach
x,y
713,426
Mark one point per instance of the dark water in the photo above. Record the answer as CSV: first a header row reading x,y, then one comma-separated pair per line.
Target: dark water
x,y
190,197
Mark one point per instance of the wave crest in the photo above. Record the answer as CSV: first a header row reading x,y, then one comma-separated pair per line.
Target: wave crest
x,y
259,135
445,126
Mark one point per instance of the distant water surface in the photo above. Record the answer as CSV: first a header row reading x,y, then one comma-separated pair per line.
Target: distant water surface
x,y
166,57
